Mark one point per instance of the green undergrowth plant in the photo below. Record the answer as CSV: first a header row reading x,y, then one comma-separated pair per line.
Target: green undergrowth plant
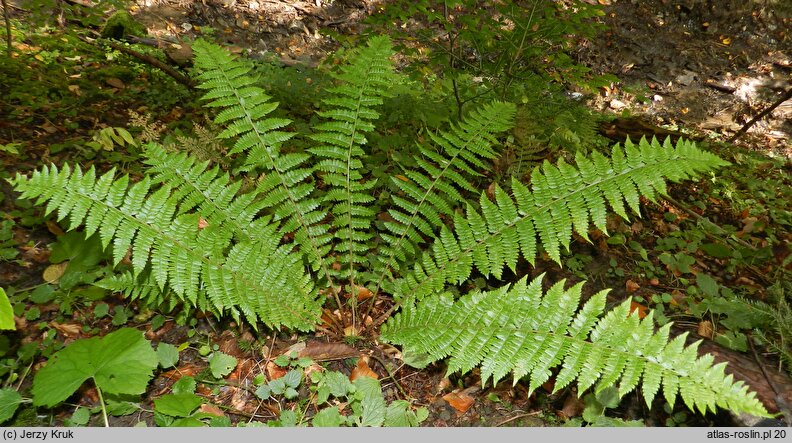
x,y
310,235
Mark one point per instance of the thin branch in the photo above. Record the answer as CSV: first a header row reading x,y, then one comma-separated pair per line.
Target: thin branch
x,y
787,95
145,58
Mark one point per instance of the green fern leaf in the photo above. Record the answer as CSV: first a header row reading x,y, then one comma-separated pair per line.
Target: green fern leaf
x,y
260,280
348,115
517,329
244,113
433,192
561,198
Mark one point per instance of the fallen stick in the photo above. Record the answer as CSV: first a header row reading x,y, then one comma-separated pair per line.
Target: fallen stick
x,y
787,95
176,75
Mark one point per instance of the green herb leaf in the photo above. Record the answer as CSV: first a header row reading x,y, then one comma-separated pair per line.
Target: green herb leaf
x,y
221,364
120,363
177,405
9,402
6,313
167,354
328,417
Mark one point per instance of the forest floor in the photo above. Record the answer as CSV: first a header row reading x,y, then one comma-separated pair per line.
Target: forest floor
x,y
683,67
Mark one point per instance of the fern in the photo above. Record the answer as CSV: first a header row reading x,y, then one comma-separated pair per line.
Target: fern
x,y
244,115
517,329
433,193
349,114
195,234
259,280
562,198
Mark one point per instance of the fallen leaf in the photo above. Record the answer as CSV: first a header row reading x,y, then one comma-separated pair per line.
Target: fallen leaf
x,y
632,286
705,329
641,309
274,371
54,228
320,352
69,330
54,272
363,293
460,401
211,410
444,384
362,369
115,82
573,406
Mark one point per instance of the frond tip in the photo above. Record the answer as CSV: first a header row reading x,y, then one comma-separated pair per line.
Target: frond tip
x,y
518,329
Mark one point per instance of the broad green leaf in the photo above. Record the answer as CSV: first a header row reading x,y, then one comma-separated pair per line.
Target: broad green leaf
x,y
221,364
177,405
328,417
6,312
9,402
373,405
338,383
184,385
188,422
80,417
293,378
167,354
122,362
707,284
400,415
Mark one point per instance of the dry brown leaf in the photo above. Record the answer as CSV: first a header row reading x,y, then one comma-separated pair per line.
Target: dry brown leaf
x,y
632,286
460,401
705,329
573,406
444,384
211,410
54,228
641,309
362,369
328,351
182,371
274,371
69,330
115,82
54,272
363,293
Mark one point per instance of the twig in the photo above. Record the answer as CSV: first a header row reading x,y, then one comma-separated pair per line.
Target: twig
x,y
518,416
390,375
681,206
8,27
787,95
781,403
180,78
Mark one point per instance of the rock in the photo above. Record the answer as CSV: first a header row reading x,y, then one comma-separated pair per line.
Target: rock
x,y
617,104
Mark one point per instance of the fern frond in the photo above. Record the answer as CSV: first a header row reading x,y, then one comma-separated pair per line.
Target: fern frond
x,y
349,113
517,329
210,193
433,192
260,280
562,198
244,115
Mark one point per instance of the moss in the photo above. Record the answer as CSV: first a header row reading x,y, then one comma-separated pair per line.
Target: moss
x,y
122,24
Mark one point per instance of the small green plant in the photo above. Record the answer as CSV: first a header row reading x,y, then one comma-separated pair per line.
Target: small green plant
x,y
180,408
305,236
597,403
119,363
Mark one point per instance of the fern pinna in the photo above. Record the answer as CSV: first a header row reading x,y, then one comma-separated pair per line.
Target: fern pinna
x,y
518,329
270,253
